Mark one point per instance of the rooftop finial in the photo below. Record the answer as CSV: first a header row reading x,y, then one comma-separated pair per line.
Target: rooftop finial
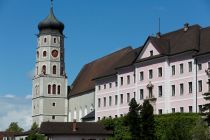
x,y
51,3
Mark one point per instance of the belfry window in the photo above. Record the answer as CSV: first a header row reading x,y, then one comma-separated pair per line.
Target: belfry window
x,y
54,89
54,40
44,53
59,89
54,69
45,40
44,69
37,54
49,89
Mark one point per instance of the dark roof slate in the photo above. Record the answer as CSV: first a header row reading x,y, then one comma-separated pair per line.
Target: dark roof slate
x,y
66,128
89,116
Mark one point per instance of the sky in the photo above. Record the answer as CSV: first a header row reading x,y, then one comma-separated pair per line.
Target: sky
x,y
93,28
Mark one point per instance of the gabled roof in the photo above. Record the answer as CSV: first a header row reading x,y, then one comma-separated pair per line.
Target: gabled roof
x,y
66,128
90,116
100,67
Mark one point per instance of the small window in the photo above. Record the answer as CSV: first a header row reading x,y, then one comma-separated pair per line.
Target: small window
x,y
160,73
54,69
121,98
150,74
116,99
160,111
53,117
53,104
104,86
181,68
128,97
200,86
160,91
181,109
128,79
151,53
115,116
44,53
54,89
190,66
173,90
173,70
99,87
200,108
190,109
37,54
99,118
54,40
59,89
116,83
208,64
173,110
141,94
99,102
141,76
199,66
181,86
190,87
49,89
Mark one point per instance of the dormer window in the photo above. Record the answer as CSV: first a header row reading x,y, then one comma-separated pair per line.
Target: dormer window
x,y
151,53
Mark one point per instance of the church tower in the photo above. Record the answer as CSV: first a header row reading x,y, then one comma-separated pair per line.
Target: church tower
x,y
49,88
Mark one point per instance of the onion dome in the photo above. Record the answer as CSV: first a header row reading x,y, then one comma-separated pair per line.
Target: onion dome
x,y
51,24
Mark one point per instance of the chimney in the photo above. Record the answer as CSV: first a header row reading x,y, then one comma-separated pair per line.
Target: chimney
x,y
158,34
74,125
186,27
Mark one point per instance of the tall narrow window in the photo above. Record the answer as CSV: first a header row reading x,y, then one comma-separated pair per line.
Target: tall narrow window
x,y
110,100
173,110
104,101
128,97
150,74
190,66
116,100
181,86
208,64
45,40
173,70
190,109
128,79
190,87
54,89
141,94
121,98
121,81
141,76
44,53
160,73
54,69
44,69
54,40
173,90
49,89
160,91
181,68
110,85
199,66
59,89
200,86
181,109
37,54
99,102
151,53
150,93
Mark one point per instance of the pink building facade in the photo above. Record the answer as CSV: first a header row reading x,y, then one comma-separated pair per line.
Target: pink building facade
x,y
169,70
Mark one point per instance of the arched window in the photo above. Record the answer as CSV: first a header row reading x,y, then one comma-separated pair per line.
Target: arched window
x,y
59,89
37,54
54,69
44,69
44,53
54,89
49,89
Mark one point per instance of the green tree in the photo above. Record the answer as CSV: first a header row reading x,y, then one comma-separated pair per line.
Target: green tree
x,y
206,107
34,135
147,121
13,127
133,119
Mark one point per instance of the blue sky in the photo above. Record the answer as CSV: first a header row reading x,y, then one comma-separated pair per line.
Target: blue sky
x,y
93,28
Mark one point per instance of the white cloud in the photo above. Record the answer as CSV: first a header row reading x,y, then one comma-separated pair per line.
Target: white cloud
x,y
28,96
9,96
15,109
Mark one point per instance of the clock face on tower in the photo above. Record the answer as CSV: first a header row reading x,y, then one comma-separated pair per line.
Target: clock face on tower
x,y
54,53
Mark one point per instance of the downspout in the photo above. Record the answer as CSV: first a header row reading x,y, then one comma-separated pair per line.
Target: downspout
x,y
196,79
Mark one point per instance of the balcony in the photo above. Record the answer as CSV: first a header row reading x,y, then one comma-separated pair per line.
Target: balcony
x,y
151,98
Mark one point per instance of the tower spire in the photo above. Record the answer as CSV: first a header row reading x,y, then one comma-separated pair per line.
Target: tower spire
x,y
51,3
